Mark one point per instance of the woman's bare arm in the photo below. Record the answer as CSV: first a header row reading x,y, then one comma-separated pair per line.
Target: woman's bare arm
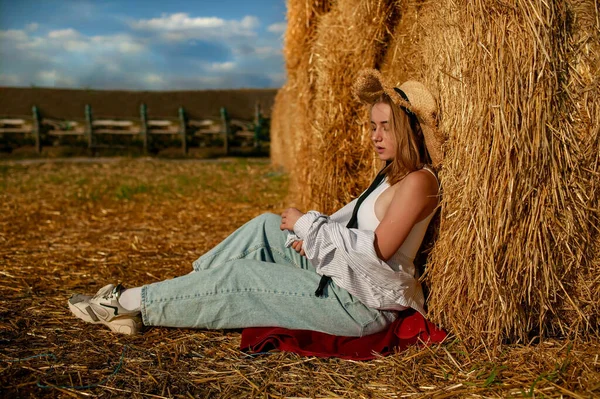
x,y
414,199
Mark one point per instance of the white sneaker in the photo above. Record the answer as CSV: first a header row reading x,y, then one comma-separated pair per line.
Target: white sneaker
x,y
104,308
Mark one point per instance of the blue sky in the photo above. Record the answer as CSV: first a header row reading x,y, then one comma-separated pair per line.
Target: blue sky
x,y
142,45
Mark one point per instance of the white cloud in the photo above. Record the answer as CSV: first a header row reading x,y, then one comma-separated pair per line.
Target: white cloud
x,y
70,40
63,34
48,75
17,44
54,78
32,27
9,79
279,27
222,66
267,51
250,22
144,56
13,35
118,43
68,58
180,26
130,47
277,79
153,79
174,36
76,45
179,21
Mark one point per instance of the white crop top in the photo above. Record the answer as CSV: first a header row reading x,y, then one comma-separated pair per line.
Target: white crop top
x,y
367,220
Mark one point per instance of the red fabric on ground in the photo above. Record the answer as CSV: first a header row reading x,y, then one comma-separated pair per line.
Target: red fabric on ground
x,y
409,329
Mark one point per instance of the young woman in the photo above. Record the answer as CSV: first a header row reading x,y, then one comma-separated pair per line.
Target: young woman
x,y
360,259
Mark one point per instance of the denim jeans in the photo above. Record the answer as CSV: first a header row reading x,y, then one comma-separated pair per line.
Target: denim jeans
x,y
252,280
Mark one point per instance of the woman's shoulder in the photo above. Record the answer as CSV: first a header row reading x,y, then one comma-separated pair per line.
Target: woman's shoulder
x,y
417,194
420,181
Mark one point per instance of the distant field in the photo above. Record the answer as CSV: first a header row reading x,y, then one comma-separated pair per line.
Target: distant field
x,y
81,207
73,226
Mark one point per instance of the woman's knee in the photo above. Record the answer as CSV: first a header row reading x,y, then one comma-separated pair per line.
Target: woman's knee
x,y
269,219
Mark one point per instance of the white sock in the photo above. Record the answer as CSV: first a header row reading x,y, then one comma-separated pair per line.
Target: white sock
x,y
131,298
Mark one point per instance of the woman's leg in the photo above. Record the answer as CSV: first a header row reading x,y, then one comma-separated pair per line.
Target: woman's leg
x,y
259,239
253,293
250,279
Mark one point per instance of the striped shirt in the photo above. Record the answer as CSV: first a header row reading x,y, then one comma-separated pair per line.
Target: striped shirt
x,y
349,257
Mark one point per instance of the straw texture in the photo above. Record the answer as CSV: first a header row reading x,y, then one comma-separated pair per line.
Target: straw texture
x,y
583,92
518,87
73,226
291,140
519,205
350,37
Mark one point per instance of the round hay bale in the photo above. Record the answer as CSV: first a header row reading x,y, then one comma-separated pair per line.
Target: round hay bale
x,y
293,144
518,250
281,128
514,232
352,36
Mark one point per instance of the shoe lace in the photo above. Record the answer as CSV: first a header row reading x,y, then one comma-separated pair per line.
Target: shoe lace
x,y
109,293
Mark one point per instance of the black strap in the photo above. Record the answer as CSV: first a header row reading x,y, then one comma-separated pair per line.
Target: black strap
x,y
353,222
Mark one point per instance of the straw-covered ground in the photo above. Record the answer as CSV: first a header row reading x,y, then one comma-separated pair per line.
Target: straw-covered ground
x,y
68,227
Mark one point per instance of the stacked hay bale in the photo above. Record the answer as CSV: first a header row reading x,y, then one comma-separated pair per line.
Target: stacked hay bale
x,y
291,127
518,89
316,121
583,116
281,130
403,58
518,214
352,36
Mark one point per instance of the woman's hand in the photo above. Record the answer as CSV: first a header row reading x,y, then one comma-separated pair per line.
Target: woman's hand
x,y
289,217
297,245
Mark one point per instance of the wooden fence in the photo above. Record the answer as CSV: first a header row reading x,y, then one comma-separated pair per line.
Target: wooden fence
x,y
91,129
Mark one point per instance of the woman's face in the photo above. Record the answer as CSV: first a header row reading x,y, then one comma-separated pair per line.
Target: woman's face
x,y
381,132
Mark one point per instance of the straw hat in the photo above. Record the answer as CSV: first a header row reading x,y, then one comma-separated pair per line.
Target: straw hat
x,y
413,97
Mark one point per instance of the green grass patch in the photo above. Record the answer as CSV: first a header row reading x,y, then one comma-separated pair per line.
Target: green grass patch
x,y
57,179
248,182
126,191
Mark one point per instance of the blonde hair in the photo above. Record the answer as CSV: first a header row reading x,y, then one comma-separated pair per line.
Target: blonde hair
x,y
411,153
